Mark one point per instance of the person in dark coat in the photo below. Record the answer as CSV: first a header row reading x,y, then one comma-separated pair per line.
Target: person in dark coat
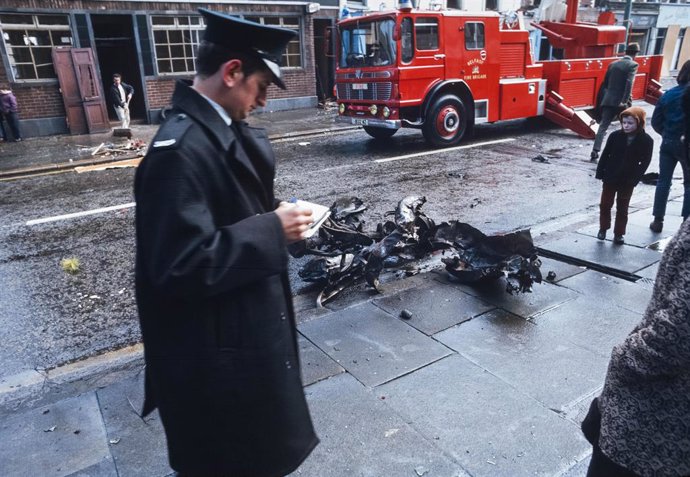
x,y
668,120
640,424
624,161
615,93
9,112
214,301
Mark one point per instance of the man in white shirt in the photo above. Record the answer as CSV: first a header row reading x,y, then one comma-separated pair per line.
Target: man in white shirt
x,y
120,95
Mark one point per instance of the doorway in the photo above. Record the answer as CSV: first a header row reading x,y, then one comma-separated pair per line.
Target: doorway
x,y
117,53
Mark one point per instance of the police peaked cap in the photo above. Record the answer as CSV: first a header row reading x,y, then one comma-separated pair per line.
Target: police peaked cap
x,y
242,36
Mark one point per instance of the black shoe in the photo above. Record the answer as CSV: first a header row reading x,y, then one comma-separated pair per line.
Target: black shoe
x,y
656,226
618,239
594,156
601,235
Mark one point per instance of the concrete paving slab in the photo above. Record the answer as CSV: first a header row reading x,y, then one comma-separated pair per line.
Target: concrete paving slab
x,y
57,440
533,360
315,364
544,296
390,283
598,287
138,446
649,272
434,307
637,235
597,325
371,344
562,270
482,422
644,217
362,436
626,258
579,469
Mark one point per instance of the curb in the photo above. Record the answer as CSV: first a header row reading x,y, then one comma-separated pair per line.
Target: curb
x,y
33,388
50,168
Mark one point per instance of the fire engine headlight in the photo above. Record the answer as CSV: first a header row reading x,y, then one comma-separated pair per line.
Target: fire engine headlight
x,y
341,108
373,109
386,112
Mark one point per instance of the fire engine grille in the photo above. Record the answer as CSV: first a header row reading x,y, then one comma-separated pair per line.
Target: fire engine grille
x,y
512,60
373,91
578,92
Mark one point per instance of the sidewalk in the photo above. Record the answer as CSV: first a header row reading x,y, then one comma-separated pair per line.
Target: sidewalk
x,y
477,382
54,153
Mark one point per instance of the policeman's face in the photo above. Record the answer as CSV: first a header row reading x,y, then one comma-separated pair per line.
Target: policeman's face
x,y
117,81
629,124
248,93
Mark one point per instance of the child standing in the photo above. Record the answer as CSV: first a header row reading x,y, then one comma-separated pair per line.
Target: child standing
x,y
625,159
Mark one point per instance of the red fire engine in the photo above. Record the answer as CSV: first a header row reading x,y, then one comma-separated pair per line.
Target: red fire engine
x,y
444,71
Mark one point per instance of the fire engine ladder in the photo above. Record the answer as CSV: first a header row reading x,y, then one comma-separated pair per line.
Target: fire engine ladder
x,y
578,121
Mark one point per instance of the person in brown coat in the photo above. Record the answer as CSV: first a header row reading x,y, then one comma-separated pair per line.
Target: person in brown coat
x,y
640,424
624,160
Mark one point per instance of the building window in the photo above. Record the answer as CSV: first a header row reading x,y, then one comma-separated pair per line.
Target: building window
x,y
292,58
474,36
675,59
29,40
426,33
659,43
176,39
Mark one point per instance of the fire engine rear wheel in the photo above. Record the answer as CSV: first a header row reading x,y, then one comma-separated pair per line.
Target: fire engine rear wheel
x,y
379,133
446,122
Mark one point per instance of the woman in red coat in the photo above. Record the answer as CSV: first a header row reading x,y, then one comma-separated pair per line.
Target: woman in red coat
x,y
625,159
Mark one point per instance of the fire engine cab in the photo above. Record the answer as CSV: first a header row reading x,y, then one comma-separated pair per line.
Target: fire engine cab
x,y
445,70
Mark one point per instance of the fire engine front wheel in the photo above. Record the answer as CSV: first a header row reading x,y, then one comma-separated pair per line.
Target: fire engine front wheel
x,y
379,133
446,122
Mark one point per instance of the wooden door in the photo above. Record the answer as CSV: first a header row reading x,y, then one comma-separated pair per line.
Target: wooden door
x,y
81,91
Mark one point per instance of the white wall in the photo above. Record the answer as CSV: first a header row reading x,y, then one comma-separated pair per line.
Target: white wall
x,y
673,14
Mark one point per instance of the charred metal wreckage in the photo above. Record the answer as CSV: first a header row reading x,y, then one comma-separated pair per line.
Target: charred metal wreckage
x,y
346,254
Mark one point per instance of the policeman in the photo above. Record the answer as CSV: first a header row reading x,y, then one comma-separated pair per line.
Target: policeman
x,y
213,295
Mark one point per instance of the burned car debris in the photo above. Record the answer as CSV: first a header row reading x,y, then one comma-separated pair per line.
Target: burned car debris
x,y
347,254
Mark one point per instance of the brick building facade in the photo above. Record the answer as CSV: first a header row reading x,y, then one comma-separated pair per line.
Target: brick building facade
x,y
151,44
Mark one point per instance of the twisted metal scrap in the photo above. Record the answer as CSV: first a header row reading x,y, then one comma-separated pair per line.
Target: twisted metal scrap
x,y
349,255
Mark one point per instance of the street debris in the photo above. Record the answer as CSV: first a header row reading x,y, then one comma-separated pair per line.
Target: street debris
x,y
50,429
348,255
540,158
406,314
114,441
70,265
421,471
650,178
137,146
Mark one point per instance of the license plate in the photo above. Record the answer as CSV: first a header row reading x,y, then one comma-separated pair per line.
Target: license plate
x,y
360,86
360,122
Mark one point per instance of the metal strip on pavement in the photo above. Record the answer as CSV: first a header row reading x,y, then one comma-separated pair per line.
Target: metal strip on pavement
x,y
81,214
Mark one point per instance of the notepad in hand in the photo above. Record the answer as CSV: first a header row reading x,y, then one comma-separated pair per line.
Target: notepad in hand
x,y
319,214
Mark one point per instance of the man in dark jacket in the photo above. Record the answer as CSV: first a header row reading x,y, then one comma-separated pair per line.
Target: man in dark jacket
x,y
669,121
615,94
120,95
214,301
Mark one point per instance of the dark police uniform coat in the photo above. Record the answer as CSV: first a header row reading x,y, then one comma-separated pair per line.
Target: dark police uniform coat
x,y
214,299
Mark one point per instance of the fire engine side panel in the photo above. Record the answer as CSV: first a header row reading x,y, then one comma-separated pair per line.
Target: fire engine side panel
x,y
478,67
519,98
578,81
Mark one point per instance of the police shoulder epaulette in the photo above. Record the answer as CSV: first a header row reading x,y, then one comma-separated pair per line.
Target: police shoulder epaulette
x,y
171,132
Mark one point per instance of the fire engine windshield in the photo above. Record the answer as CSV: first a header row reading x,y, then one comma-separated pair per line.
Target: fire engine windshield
x,y
367,43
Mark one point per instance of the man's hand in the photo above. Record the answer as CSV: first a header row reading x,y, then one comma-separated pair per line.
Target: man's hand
x,y
295,220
